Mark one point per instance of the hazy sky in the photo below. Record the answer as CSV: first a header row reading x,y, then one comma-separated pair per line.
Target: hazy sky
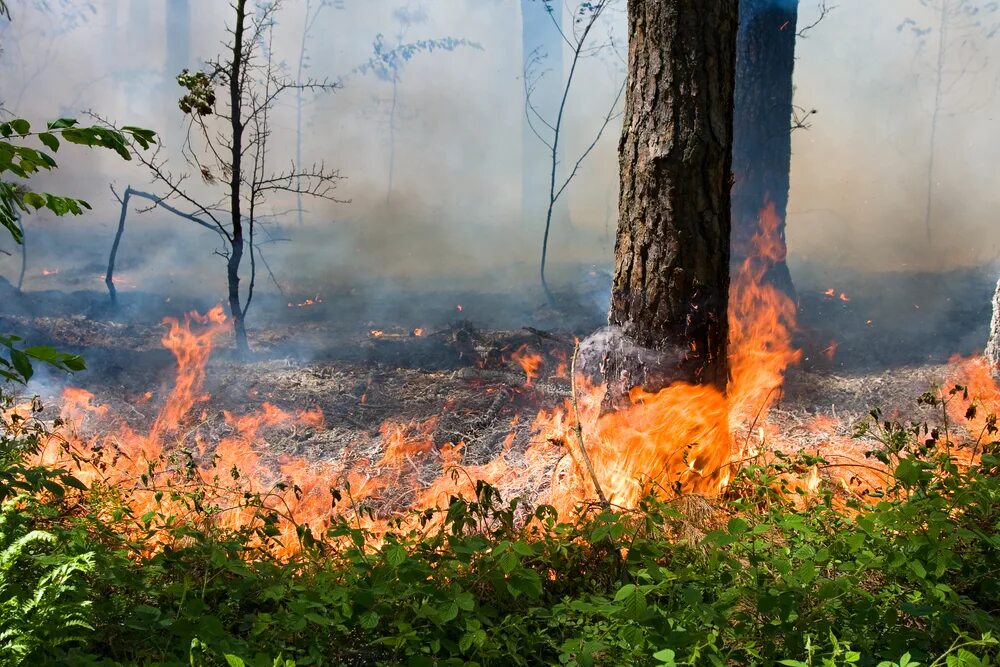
x,y
858,178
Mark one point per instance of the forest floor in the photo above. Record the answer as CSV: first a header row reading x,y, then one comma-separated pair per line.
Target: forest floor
x,y
367,360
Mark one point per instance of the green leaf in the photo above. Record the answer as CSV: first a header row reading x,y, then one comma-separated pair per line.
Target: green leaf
x,y
666,657
394,555
737,526
21,126
234,661
73,482
22,364
369,620
49,140
918,568
62,123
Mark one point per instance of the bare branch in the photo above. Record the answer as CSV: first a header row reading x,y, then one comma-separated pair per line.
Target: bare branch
x,y
824,11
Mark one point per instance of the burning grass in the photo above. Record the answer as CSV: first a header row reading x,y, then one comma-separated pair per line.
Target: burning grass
x,y
682,439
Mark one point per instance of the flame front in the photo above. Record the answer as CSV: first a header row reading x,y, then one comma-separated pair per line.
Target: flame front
x,y
682,438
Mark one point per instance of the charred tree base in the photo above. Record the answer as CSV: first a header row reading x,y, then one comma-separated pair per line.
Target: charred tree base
x,y
611,357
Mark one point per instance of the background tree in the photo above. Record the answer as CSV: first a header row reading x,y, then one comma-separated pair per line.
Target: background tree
x,y
549,129
311,12
956,66
388,61
19,161
228,145
762,142
671,281
541,61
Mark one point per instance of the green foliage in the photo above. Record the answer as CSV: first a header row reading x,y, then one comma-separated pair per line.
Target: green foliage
x,y
906,580
200,95
21,161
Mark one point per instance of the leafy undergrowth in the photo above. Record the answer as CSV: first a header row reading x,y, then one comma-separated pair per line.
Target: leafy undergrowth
x,y
909,577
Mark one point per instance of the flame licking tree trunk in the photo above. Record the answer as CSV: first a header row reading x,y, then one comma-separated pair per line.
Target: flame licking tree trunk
x,y
762,141
671,280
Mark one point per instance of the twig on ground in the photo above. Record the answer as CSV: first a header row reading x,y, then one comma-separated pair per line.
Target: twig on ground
x,y
579,432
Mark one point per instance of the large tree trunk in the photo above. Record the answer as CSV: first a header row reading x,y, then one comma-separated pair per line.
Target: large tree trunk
x,y
762,141
672,254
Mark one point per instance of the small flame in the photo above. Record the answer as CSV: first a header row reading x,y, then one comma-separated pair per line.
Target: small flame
x,y
418,332
529,362
308,302
833,294
376,333
50,272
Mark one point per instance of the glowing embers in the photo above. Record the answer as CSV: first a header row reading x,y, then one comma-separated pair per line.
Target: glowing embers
x,y
832,294
307,303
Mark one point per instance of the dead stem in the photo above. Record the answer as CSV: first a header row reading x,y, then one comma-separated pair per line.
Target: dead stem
x,y
579,431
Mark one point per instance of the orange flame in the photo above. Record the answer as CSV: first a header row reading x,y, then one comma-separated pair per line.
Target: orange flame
x,y
529,362
679,438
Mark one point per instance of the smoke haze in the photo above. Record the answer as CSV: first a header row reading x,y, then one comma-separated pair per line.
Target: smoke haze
x,y
859,172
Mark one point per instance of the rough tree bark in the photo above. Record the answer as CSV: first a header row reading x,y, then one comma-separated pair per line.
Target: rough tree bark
x,y
993,344
671,280
762,141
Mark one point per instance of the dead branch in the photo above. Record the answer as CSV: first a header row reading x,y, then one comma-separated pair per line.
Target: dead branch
x,y
579,432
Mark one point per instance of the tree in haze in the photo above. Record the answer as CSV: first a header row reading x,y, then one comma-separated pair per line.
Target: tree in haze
x,y
548,127
389,60
762,125
311,12
671,282
953,37
541,62
229,148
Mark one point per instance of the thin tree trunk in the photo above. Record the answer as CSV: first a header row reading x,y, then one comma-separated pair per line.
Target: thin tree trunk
x,y
24,251
539,37
935,116
392,136
762,141
109,277
235,182
671,280
298,108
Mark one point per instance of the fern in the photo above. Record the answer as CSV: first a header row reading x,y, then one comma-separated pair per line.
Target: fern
x,y
43,592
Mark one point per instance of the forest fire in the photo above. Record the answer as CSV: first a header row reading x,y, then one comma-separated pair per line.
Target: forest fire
x,y
678,438
684,438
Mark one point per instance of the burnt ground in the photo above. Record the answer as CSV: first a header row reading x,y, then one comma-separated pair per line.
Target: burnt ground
x,y
887,343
